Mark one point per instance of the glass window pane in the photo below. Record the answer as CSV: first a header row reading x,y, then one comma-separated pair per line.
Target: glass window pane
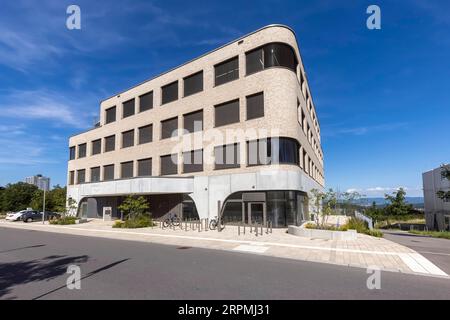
x,y
145,167
193,121
255,106
193,84
82,150
71,153
81,176
193,161
226,71
110,143
254,61
110,115
108,172
128,139
126,169
226,113
95,174
169,127
146,101
128,108
146,134
96,146
169,164
227,156
169,92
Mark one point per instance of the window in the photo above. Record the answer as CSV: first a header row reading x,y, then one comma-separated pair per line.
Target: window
x,y
227,156
110,115
193,161
193,84
302,80
71,153
128,108
169,164
126,169
81,176
255,106
226,71
226,113
169,92
193,121
128,139
108,172
146,134
110,143
96,146
146,101
271,55
71,177
169,127
273,151
95,174
145,167
305,161
82,150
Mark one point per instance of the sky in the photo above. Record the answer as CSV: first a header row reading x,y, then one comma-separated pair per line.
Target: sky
x,y
382,96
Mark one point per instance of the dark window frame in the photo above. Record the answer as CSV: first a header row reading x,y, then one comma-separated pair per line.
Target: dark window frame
x,y
125,106
246,105
72,153
216,84
122,167
223,104
186,131
189,78
162,130
237,157
80,149
166,86
161,164
104,172
151,134
148,107
105,143
139,162
94,147
78,176
99,173
192,167
266,63
123,146
115,114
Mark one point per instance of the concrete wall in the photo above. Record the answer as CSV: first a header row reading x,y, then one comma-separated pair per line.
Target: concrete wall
x,y
435,208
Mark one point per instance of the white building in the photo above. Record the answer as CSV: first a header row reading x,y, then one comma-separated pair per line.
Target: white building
x,y
40,181
234,131
437,210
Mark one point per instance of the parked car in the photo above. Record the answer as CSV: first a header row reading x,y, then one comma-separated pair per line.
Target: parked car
x,y
15,216
37,216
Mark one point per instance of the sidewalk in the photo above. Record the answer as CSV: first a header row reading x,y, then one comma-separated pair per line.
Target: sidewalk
x,y
364,252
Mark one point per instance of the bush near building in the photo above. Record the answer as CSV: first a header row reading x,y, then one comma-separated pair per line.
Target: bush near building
x,y
64,221
135,213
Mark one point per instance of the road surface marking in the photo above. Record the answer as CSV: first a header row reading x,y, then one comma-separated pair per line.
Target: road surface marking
x,y
418,263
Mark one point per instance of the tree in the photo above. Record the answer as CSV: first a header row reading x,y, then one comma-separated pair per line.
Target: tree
x,y
133,207
445,174
348,200
18,196
71,208
58,198
397,205
323,204
2,189
373,211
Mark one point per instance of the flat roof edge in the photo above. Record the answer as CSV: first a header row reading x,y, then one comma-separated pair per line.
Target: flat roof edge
x,y
201,56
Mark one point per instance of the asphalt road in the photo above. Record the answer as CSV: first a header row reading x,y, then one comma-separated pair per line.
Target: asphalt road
x,y
33,265
434,249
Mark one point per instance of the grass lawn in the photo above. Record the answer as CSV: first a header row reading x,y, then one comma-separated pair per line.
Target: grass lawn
x,y
434,234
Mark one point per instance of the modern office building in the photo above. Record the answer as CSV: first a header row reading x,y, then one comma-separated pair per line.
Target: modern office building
x,y
38,180
234,131
437,210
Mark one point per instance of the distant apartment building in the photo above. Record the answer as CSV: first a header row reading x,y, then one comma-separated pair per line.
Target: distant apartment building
x,y
437,210
40,181
233,132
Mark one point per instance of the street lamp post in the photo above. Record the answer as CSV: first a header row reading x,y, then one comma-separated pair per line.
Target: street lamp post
x,y
43,206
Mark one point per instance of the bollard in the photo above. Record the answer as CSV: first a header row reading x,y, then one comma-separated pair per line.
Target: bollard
x,y
261,231
239,229
244,228
199,225
206,224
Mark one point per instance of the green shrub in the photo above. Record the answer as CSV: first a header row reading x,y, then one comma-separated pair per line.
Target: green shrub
x,y
64,221
434,234
138,222
357,224
311,225
374,233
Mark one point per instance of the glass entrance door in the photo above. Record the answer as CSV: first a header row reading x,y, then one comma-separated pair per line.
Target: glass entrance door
x,y
256,213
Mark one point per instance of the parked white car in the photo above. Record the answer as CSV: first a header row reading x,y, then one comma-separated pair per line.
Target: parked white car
x,y
15,216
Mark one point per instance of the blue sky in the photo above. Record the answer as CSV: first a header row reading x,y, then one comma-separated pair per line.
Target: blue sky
x,y
382,96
